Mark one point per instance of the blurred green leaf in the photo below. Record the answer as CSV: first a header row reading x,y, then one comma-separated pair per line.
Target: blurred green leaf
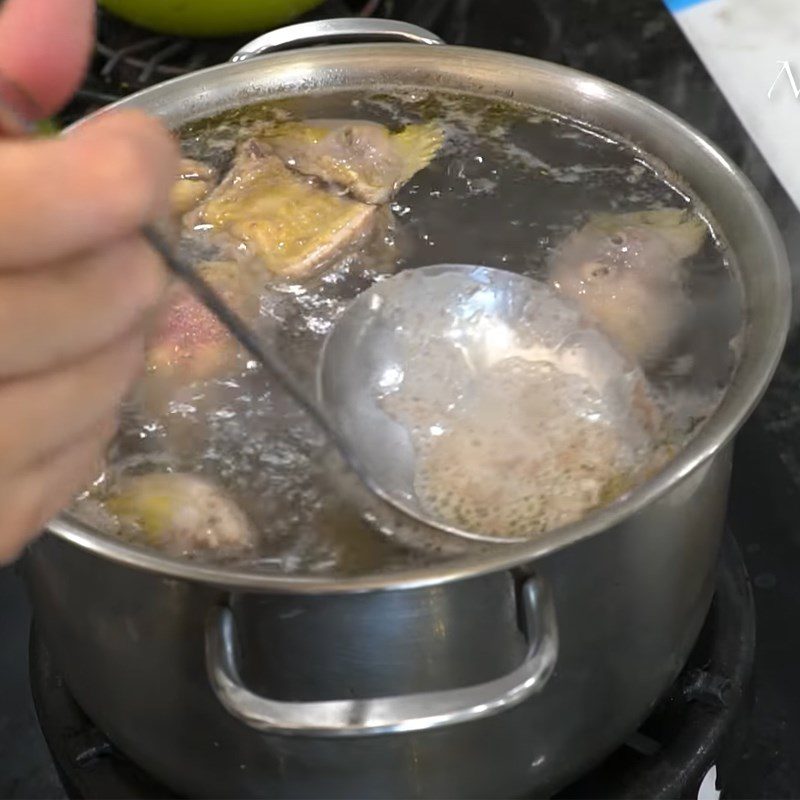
x,y
47,127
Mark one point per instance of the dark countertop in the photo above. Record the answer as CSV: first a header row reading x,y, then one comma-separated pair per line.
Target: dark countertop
x,y
25,767
637,44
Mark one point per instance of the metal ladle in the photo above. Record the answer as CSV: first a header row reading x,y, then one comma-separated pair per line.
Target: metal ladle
x,y
474,317
366,344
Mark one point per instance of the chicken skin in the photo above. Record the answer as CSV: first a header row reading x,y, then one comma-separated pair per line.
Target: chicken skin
x,y
195,181
265,210
191,343
625,273
179,513
365,159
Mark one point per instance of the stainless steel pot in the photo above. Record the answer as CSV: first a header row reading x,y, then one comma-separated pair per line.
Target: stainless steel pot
x,y
502,674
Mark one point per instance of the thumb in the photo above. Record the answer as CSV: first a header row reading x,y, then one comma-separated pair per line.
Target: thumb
x,y
45,46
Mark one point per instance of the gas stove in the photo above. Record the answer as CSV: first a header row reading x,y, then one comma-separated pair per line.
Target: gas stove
x,y
724,720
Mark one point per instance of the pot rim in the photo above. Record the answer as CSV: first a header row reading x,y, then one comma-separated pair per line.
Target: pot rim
x,y
766,316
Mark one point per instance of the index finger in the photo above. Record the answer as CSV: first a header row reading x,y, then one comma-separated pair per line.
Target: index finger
x,y
44,47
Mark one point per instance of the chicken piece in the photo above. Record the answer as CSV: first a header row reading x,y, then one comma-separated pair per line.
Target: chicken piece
x,y
265,208
191,343
194,183
293,225
180,514
624,271
364,158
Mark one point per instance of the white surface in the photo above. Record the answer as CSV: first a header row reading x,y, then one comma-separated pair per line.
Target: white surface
x,y
752,50
708,788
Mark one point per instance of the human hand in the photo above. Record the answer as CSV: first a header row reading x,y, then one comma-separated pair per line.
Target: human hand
x,y
76,278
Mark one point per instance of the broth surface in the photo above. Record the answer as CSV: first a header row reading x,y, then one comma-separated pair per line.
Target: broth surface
x,y
508,188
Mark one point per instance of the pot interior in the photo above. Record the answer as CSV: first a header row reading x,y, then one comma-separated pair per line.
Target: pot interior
x,y
531,151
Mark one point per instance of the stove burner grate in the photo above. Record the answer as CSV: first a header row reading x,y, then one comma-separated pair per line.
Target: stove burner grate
x,y
139,58
128,58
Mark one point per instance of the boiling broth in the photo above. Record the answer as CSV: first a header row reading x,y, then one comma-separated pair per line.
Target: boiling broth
x,y
509,185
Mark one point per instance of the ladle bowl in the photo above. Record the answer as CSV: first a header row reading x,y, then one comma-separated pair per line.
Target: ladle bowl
x,y
445,322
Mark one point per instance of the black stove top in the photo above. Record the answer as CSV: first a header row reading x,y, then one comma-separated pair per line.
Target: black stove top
x,y
128,58
637,44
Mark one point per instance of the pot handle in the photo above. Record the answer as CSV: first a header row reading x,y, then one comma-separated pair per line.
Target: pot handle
x,y
414,712
331,31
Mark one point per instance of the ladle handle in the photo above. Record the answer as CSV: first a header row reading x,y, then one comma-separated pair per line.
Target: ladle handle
x,y
403,713
333,31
